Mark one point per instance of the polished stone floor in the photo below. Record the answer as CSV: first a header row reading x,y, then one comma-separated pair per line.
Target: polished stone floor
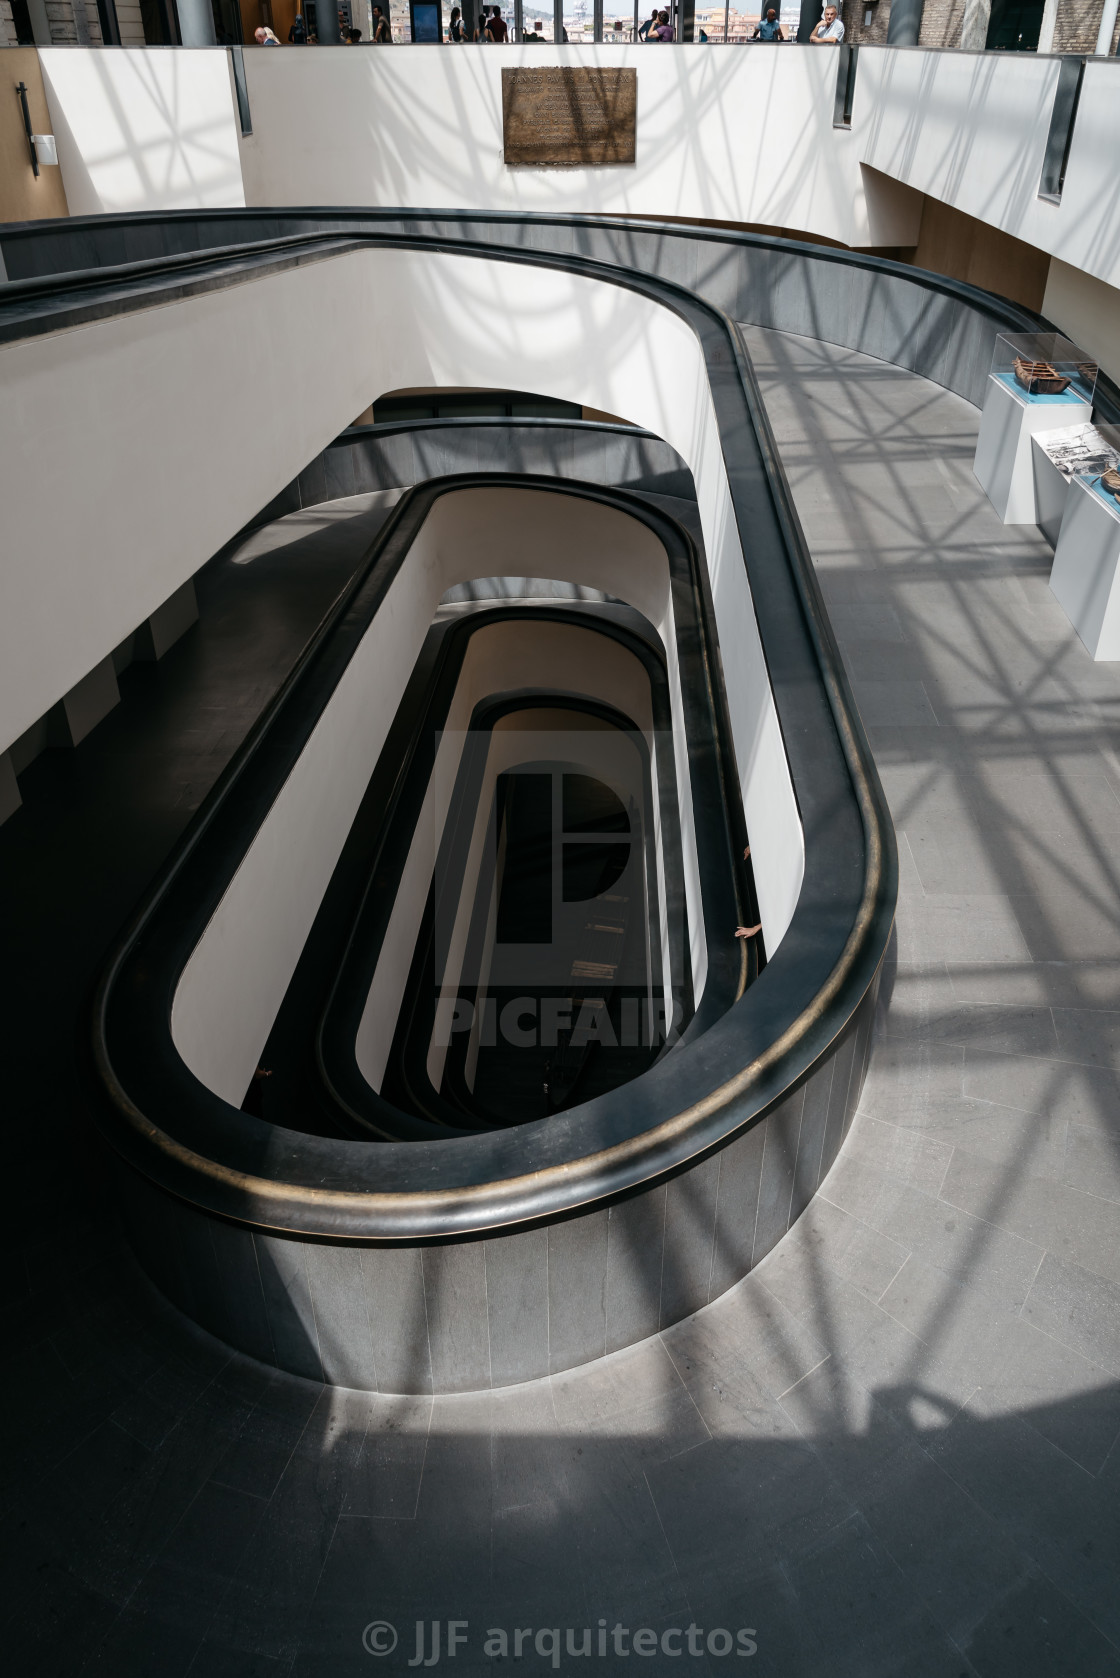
x,y
890,1453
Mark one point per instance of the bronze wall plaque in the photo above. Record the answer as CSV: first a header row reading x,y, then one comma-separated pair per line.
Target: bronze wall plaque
x,y
566,118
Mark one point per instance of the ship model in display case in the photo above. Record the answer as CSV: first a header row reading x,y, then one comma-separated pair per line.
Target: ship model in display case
x,y
1110,481
1039,378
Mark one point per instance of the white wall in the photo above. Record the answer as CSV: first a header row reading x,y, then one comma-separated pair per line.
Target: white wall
x,y
742,135
115,430
140,130
189,403
970,129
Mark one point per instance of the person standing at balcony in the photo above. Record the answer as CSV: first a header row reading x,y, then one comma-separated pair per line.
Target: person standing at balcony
x,y
829,31
456,34
768,28
647,28
664,29
496,30
382,34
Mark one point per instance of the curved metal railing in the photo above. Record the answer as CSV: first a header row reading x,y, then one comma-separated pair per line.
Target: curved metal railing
x,y
695,1101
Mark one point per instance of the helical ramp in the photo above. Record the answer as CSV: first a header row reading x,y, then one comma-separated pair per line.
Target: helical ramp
x,y
482,866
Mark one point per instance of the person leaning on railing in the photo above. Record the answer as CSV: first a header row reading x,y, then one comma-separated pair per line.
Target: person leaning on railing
x,y
829,31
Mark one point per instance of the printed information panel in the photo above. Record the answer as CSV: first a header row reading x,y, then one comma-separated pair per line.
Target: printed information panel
x,y
569,118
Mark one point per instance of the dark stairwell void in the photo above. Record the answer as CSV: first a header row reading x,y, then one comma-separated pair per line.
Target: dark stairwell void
x,y
561,997
543,1009
550,963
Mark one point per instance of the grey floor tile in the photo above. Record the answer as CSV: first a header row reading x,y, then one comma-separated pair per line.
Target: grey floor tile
x,y
738,1501
956,1560
867,623
140,1642
747,1341
1037,1142
999,1030
913,1156
861,1255
912,1079
961,927
890,1632
1059,983
1079,1227
968,1247
898,703
1068,922
833,1309
1052,1510
1065,1398
1078,1309
913,998
1092,1161
1035,1632
1053,1088
1091,1036
385,1482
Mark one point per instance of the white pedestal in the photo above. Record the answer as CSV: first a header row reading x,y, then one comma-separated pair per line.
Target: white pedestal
x,y
1004,466
1086,573
1051,491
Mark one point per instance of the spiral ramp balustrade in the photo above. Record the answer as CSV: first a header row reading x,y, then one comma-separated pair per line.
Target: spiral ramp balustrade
x,y
637,1131
410,1224
682,1090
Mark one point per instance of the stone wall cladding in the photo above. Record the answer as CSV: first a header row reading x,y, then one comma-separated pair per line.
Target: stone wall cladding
x,y
62,24
941,23
873,34
1075,29
131,24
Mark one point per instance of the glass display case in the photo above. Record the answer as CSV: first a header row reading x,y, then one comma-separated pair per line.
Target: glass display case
x,y
1044,368
1079,451
1101,472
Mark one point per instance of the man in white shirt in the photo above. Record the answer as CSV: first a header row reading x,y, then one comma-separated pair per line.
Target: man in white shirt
x,y
829,31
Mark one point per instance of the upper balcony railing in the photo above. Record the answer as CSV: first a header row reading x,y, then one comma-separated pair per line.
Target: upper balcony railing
x,y
987,25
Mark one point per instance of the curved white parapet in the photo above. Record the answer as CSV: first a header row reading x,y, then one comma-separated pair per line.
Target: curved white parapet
x,y
232,986
150,405
731,1133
